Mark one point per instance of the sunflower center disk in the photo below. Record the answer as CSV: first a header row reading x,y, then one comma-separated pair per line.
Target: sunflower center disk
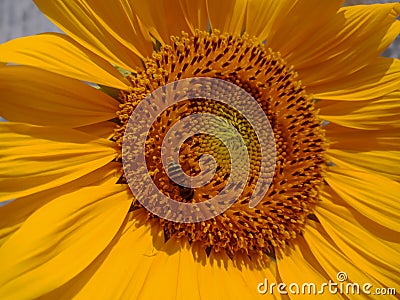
x,y
294,167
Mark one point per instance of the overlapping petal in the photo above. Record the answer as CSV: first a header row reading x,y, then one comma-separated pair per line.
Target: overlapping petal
x,y
179,272
53,238
264,15
183,15
291,28
14,214
40,97
233,17
371,247
335,262
378,78
60,54
297,264
126,259
373,195
195,13
349,139
384,163
114,33
345,43
69,154
104,130
373,114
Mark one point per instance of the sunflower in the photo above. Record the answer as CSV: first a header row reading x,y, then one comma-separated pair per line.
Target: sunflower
x,y
75,229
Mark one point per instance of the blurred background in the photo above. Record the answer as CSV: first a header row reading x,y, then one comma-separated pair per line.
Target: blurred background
x,y
21,17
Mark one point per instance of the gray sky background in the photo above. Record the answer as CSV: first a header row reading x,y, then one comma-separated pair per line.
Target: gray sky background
x,y
21,18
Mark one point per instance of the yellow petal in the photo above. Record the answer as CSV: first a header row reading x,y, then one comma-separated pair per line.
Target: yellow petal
x,y
346,43
195,13
333,260
380,77
368,245
385,235
39,97
181,273
262,15
120,271
61,239
253,276
230,281
110,32
227,15
14,214
384,163
104,130
374,196
291,30
362,140
297,265
163,25
371,115
60,54
139,265
35,158
167,271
